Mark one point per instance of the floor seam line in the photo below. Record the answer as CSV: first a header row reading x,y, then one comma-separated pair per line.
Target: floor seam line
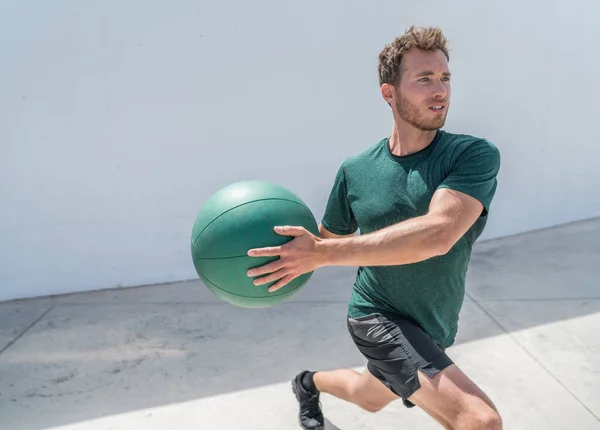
x,y
495,321
12,342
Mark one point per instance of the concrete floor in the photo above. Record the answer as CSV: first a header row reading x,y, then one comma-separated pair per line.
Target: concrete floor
x,y
175,357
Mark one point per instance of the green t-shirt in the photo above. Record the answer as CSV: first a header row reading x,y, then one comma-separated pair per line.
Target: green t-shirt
x,y
376,188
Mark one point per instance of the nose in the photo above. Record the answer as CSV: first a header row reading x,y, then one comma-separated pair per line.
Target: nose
x,y
440,90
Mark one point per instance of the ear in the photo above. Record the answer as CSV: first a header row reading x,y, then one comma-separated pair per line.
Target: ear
x,y
388,93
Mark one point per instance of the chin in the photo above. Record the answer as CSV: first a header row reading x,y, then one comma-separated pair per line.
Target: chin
x,y
436,123
425,121
430,128
432,125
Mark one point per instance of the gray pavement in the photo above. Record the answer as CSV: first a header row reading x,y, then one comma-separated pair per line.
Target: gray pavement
x,y
175,357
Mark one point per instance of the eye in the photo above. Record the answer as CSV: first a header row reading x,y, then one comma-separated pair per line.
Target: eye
x,y
424,80
446,78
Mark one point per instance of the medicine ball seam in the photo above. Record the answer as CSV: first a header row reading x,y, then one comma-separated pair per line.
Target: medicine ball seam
x,y
246,297
248,203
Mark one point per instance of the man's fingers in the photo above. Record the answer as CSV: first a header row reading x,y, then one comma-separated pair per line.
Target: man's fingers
x,y
270,277
267,268
269,251
282,283
290,230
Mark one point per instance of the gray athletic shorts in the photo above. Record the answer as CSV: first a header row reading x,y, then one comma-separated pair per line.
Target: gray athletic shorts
x,y
396,349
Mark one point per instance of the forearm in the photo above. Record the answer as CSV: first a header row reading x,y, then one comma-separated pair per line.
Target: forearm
x,y
407,242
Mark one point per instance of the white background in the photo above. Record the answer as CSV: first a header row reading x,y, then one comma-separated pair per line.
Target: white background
x,y
119,119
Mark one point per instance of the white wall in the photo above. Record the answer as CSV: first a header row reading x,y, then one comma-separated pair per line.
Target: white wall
x,y
118,119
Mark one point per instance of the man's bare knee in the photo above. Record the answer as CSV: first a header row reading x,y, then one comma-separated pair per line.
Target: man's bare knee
x,y
480,419
369,405
455,399
371,394
490,420
367,401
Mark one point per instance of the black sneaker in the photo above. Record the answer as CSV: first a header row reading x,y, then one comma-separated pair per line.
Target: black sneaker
x,y
310,416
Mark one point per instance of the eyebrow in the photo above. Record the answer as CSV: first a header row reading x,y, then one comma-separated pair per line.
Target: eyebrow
x,y
430,72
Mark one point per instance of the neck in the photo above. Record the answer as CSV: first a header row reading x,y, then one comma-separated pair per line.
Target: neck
x,y
407,139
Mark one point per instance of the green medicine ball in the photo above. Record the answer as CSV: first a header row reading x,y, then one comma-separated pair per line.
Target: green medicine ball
x,y
235,219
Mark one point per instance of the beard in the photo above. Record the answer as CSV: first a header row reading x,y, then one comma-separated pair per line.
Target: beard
x,y
410,113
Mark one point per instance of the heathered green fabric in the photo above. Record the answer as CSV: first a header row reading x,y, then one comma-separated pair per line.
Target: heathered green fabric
x,y
375,189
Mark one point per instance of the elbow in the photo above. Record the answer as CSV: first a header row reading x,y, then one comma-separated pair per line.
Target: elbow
x,y
442,237
441,245
439,250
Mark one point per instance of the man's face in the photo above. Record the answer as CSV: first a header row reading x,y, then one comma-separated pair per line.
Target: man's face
x,y
422,97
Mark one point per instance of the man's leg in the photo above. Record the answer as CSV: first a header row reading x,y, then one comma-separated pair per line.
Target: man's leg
x,y
405,360
450,397
362,389
455,399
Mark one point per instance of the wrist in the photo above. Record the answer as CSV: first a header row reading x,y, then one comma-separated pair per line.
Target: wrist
x,y
329,251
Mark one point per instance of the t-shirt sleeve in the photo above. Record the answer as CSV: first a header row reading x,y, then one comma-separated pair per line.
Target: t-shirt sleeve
x,y
475,173
338,217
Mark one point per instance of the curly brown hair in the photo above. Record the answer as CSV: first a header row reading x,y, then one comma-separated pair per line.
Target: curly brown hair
x,y
422,38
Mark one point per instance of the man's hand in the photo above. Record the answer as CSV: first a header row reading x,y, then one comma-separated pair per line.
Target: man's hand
x,y
301,255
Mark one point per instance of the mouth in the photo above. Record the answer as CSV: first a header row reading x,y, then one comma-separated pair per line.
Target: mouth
x,y
437,108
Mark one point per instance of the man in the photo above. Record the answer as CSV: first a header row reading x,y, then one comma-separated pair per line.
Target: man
x,y
420,199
